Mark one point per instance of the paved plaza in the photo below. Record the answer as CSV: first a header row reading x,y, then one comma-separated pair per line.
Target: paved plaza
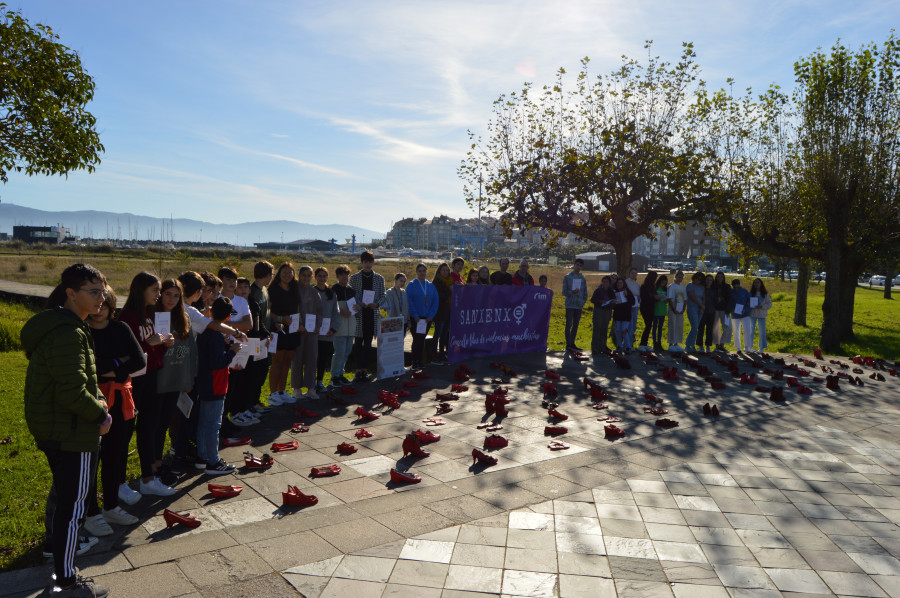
x,y
800,498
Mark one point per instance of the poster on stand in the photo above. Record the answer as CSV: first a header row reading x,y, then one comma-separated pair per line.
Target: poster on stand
x,y
390,348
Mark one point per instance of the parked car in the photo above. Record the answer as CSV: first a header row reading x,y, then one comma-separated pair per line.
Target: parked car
x,y
876,281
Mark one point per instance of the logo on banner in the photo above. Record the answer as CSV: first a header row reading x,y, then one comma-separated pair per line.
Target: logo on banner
x,y
519,312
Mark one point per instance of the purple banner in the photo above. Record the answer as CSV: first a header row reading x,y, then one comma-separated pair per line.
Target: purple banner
x,y
498,320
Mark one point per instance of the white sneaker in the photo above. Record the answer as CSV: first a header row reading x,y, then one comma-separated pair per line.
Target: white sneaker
x,y
119,516
242,419
275,399
287,399
128,495
155,487
312,395
297,394
98,526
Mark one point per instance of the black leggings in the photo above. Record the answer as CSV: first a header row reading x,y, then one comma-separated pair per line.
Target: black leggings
x,y
323,361
706,325
648,323
362,345
113,458
149,407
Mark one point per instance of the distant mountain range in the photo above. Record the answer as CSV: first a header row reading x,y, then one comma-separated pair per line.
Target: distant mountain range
x,y
131,227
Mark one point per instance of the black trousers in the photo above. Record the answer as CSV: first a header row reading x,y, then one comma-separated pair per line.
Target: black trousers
x,y
362,345
707,320
113,457
167,422
256,372
418,345
147,422
648,324
323,361
74,478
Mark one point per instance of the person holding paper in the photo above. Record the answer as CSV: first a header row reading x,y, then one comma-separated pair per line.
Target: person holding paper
x,y
443,283
212,387
331,320
677,302
303,365
179,367
423,305
695,306
622,315
118,354
708,316
724,307
635,287
138,315
574,289
368,315
660,309
284,297
647,305
759,312
603,300
238,380
740,317
345,331
258,366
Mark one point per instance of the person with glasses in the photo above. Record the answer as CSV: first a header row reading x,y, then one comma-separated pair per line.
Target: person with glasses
x,y
66,412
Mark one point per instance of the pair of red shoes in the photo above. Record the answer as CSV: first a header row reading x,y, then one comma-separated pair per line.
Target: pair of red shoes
x,y
479,457
666,423
443,408
751,379
777,394
401,393
346,448
713,411
366,415
652,398
832,382
278,447
459,388
557,415
612,431
804,390
294,498
301,412
670,373
363,433
333,397
549,389
495,441
253,462
187,520
598,393
460,376
404,477
223,491
817,353
413,446
327,471
876,376
449,396
555,430
427,437
551,375
656,410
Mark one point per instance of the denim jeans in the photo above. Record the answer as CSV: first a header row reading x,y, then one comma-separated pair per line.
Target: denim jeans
x,y
743,336
632,327
209,420
763,344
623,334
573,318
343,345
694,319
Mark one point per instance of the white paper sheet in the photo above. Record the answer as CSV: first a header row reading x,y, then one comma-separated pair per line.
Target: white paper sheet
x,y
241,357
368,297
350,303
326,326
185,404
728,321
421,326
263,351
636,301
679,306
163,323
754,302
310,322
738,308
273,343
620,296
295,324
576,284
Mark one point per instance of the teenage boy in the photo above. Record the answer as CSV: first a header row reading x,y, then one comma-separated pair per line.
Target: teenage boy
x,y
237,380
575,292
456,268
258,298
369,316
208,293
212,387
501,276
522,278
346,331
65,411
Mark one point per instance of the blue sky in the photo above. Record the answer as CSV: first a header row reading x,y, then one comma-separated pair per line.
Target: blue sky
x,y
356,112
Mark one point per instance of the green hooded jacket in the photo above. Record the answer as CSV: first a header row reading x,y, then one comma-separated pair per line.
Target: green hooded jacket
x,y
62,408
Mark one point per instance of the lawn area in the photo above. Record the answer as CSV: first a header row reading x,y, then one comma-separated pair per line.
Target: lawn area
x,y
26,476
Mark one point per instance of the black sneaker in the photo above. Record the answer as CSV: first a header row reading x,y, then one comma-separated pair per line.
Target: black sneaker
x,y
339,381
84,588
361,378
220,468
167,476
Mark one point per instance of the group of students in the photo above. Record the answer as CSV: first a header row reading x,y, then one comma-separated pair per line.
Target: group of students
x,y
714,310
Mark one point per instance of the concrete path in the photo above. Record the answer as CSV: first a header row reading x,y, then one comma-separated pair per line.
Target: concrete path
x,y
769,499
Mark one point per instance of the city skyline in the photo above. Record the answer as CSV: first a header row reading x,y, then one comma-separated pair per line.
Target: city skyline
x,y
357,113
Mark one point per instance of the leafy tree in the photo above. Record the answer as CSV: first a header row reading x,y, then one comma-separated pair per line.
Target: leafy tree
x,y
44,126
605,161
815,175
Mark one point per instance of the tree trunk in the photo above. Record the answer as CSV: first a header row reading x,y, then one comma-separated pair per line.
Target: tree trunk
x,y
802,291
623,256
850,272
831,308
887,283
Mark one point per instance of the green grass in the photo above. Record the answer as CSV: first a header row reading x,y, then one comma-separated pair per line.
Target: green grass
x,y
12,317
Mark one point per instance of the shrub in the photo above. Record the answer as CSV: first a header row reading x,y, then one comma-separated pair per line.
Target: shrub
x,y
23,267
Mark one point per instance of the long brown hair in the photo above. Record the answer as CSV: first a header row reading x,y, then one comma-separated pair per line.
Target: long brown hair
x,y
181,325
293,286
135,302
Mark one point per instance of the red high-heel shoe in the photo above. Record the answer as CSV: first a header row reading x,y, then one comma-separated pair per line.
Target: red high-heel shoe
x,y
832,383
554,430
598,393
402,393
443,408
459,388
817,353
363,433
391,402
427,437
253,462
666,423
404,477
551,375
294,498
222,491
299,427
479,457
278,447
489,403
500,410
345,448
706,409
714,411
557,415
411,445
777,394
495,441
187,520
326,471
612,431
803,390
366,415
